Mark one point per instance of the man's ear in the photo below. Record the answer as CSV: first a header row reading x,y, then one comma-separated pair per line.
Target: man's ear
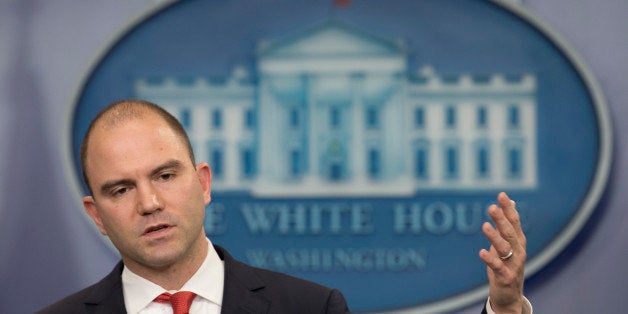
x,y
92,211
204,174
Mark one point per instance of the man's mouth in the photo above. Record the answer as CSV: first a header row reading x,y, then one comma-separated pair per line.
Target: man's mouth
x,y
156,228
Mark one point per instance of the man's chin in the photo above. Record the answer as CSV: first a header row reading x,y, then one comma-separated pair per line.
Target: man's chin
x,y
162,259
159,259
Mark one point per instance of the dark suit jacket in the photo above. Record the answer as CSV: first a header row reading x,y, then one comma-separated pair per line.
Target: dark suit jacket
x,y
247,290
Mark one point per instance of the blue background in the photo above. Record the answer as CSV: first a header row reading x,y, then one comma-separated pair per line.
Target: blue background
x,y
210,38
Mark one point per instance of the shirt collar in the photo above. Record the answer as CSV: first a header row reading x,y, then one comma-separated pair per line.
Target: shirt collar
x,y
207,282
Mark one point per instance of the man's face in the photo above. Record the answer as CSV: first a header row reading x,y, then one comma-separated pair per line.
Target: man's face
x,y
147,195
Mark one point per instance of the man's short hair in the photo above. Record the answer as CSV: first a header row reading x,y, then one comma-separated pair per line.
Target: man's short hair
x,y
125,110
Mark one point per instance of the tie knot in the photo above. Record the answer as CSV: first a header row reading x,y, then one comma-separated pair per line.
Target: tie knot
x,y
180,301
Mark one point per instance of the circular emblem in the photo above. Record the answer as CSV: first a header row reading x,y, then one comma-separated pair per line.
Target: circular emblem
x,y
359,147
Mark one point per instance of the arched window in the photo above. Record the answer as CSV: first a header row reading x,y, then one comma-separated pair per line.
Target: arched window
x,y
421,159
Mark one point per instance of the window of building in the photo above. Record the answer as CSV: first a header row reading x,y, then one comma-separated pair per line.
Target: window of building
x,y
216,161
450,117
217,119
421,162
336,170
451,162
483,162
515,165
334,117
249,119
374,163
248,162
482,118
295,118
372,117
514,117
186,119
295,163
419,117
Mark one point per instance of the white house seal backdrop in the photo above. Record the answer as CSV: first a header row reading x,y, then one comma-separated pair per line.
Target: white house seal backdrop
x,y
359,147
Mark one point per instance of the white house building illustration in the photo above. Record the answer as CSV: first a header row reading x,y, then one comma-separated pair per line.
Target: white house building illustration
x,y
336,112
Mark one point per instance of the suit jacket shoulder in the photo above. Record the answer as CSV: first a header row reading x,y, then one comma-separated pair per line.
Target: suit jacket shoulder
x,y
247,290
103,297
254,290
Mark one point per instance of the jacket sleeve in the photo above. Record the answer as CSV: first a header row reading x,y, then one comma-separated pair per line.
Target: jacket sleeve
x,y
336,303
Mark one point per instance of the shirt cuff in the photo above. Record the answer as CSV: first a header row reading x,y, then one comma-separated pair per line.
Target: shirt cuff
x,y
527,306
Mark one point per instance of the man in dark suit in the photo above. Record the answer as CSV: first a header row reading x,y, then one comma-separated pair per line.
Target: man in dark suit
x,y
149,198
247,290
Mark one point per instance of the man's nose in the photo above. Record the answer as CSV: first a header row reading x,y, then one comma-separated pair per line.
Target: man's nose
x,y
148,201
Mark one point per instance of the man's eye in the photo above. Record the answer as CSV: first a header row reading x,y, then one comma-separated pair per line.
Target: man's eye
x,y
119,191
166,176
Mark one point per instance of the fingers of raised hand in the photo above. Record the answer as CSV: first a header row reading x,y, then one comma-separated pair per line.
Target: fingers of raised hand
x,y
505,229
508,207
505,236
499,245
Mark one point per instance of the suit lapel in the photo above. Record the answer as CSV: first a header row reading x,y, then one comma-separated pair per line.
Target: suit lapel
x,y
107,297
242,291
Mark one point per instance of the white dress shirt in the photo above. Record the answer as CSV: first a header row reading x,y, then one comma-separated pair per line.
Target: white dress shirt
x,y
207,283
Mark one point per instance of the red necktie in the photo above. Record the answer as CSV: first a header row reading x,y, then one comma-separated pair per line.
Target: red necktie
x,y
180,301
